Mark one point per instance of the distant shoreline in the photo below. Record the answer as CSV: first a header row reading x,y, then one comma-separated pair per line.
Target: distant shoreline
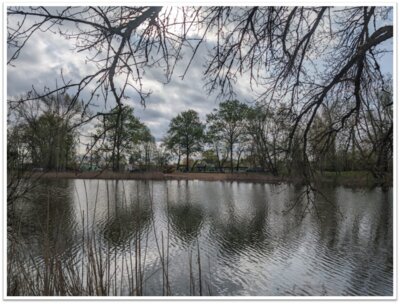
x,y
249,177
350,179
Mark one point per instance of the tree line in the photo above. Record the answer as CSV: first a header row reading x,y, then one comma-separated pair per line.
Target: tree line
x,y
323,99
233,134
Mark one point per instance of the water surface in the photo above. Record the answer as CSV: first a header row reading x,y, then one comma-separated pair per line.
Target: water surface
x,y
239,234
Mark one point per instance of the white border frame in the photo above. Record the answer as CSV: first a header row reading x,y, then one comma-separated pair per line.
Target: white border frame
x,y
3,152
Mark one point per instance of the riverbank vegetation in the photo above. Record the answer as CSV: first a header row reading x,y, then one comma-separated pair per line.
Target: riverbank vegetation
x,y
235,138
347,178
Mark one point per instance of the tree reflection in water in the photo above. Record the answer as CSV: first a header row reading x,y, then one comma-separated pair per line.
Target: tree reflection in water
x,y
127,216
149,232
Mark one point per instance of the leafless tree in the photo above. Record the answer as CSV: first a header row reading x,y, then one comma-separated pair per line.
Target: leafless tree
x,y
120,42
302,56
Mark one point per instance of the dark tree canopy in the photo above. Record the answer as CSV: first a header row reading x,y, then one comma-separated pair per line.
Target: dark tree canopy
x,y
120,136
43,131
187,131
227,124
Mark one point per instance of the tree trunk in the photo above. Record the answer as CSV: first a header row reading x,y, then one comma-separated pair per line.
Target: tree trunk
x,y
218,160
179,161
238,161
187,158
231,148
118,129
118,156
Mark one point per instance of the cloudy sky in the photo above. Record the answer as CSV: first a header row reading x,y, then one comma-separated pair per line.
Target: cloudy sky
x,y
47,54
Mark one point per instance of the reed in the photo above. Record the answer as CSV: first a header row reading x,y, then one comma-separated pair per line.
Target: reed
x,y
97,269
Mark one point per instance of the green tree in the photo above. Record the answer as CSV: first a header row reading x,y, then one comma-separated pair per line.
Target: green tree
x,y
268,130
122,132
227,124
51,143
162,157
170,144
145,150
375,132
302,55
218,149
186,132
46,134
323,141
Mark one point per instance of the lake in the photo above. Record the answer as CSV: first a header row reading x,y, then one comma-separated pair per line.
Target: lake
x,y
203,238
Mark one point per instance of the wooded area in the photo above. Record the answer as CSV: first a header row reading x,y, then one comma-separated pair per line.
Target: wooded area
x,y
325,103
235,135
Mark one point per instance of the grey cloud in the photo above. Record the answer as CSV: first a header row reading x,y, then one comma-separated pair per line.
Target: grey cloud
x,y
46,54
42,59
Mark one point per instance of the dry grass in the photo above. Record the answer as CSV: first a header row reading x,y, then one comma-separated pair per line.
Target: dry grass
x,y
349,179
93,272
